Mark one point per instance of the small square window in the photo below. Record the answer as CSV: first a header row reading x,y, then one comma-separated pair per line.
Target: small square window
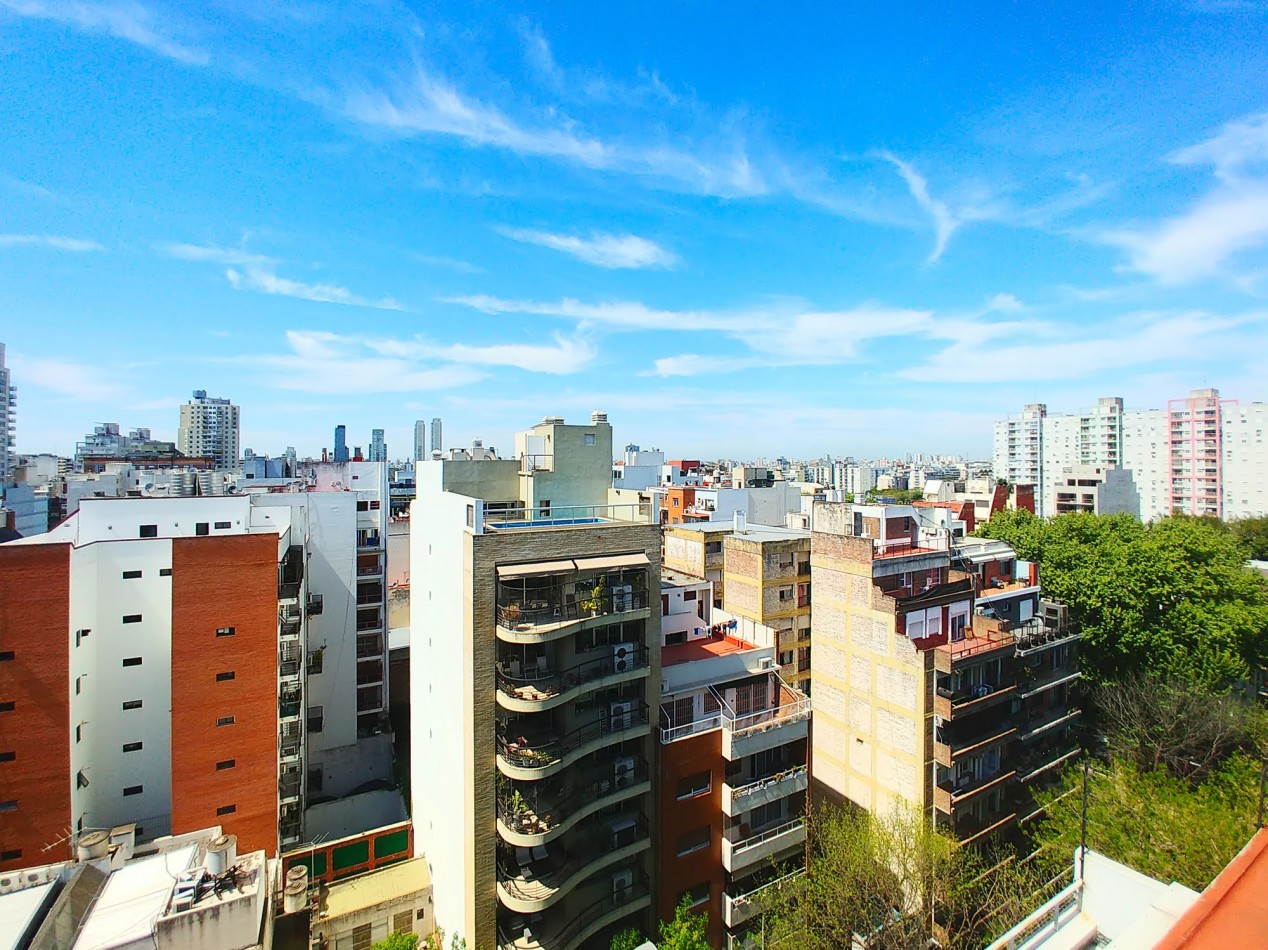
x,y
131,575
149,531
8,756
226,631
226,764
11,855
165,572
590,440
6,706
6,655
132,746
225,677
132,704
224,721
131,618
202,528
226,809
134,790
131,661
222,526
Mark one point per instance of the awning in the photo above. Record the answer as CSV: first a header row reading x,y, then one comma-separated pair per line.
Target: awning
x,y
508,572
616,560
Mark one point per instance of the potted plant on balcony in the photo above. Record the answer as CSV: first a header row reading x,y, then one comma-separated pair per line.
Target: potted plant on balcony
x,y
512,613
594,603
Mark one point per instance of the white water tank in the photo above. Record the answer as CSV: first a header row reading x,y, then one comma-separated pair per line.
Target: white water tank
x,y
93,845
295,893
222,852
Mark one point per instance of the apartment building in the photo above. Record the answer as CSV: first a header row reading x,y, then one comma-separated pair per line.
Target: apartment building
x,y
942,682
760,574
8,418
733,769
534,663
1201,455
210,426
139,656
1097,490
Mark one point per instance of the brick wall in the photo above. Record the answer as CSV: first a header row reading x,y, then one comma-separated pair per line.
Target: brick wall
x,y
225,582
678,760
35,626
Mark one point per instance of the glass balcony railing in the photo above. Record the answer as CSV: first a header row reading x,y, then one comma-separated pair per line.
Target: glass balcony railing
x,y
540,749
530,680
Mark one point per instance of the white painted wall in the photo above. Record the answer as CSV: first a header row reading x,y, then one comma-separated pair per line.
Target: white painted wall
x,y
442,696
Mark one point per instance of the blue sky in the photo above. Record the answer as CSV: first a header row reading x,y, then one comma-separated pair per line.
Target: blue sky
x,y
740,230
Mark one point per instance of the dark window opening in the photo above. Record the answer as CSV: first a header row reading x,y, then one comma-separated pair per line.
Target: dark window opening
x,y
165,572
11,855
131,661
6,655
149,531
132,704
226,764
131,575
134,790
224,721
131,618
226,631
202,528
224,677
226,809
222,525
132,747
8,756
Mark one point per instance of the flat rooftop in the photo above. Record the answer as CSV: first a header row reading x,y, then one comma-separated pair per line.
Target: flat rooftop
x,y
678,579
703,649
752,530
366,890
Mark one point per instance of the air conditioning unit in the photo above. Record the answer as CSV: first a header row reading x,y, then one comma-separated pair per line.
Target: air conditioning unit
x,y
622,597
1054,614
622,657
766,663
622,884
623,771
620,716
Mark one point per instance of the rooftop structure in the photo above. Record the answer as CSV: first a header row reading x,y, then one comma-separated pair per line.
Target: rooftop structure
x,y
210,426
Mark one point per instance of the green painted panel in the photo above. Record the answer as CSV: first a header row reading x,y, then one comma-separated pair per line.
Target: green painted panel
x,y
394,843
350,855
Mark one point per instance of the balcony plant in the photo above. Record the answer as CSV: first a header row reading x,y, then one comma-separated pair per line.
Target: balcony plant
x,y
594,603
512,612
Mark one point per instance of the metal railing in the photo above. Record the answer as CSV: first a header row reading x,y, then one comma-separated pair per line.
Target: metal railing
x,y
763,719
578,924
548,751
548,684
769,781
542,884
739,844
541,812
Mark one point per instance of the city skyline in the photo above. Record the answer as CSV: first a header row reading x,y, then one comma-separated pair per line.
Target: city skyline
x,y
830,249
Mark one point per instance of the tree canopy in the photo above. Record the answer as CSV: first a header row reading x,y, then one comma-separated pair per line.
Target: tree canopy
x,y
1253,535
687,931
1172,599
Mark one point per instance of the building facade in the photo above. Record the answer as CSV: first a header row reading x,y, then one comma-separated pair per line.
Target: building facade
x,y
378,448
437,436
534,662
210,426
943,684
8,418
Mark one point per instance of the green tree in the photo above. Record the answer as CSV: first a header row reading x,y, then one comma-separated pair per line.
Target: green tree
x,y
687,931
1173,599
629,939
1253,535
1168,827
398,941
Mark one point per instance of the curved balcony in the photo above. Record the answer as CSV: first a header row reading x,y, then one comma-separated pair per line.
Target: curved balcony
x,y
543,754
523,690
573,930
535,880
537,609
540,815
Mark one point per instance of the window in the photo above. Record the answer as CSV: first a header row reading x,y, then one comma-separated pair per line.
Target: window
x,y
6,655
694,841
131,661
697,895
81,635
132,747
226,809
224,721
683,710
697,784
149,531
689,595
79,684
363,506
222,526
202,528
131,575
81,780
165,572
226,764
6,707
8,756
403,923
79,732
134,790
9,806
226,631
315,718
590,440
132,704
11,855
225,677
131,618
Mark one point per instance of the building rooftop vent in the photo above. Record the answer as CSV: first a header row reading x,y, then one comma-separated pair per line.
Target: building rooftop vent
x,y
598,418
553,421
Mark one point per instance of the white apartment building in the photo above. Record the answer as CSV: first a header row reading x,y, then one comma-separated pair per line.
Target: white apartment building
x,y
1097,490
1200,455
210,426
8,418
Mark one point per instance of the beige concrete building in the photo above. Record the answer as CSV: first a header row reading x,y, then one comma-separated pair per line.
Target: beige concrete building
x,y
534,667
364,910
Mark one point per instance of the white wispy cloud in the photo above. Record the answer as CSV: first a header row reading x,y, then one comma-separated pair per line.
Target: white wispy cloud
x,y
123,19
944,222
427,104
212,254
448,263
54,242
70,379
613,251
266,282
1227,222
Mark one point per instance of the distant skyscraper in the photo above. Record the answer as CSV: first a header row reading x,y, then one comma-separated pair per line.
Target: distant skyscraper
x,y
378,448
341,443
436,445
210,427
420,439
8,418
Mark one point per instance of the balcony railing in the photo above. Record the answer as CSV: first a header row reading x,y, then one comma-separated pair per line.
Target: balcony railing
x,y
540,812
1034,726
764,790
1038,636
740,852
577,927
547,880
542,685
544,606
737,909
547,750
